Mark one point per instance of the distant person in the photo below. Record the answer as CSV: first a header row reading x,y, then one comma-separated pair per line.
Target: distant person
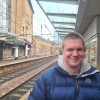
x,y
71,78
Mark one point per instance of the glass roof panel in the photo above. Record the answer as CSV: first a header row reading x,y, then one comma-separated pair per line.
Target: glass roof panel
x,y
64,25
59,7
60,19
67,26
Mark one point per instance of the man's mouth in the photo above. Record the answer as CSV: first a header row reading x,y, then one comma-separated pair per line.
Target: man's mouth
x,y
74,58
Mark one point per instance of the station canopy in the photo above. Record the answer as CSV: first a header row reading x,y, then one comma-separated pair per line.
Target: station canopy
x,y
61,13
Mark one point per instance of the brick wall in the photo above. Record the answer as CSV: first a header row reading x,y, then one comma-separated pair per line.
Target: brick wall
x,y
22,17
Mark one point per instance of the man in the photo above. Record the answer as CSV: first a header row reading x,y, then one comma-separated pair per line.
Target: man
x,y
71,78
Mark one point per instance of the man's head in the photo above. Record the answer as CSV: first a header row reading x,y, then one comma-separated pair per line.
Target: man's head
x,y
73,35
73,48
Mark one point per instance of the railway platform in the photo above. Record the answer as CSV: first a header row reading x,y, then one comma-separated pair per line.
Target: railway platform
x,y
13,61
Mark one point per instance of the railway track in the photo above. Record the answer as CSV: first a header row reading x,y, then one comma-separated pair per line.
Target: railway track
x,y
21,81
17,93
16,73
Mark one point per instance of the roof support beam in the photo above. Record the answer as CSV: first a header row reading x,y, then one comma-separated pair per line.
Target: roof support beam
x,y
65,23
62,34
74,2
64,31
65,28
62,15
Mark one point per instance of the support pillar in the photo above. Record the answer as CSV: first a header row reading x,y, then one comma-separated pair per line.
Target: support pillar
x,y
26,51
16,53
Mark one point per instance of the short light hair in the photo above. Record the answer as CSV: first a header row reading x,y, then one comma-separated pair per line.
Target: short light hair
x,y
73,35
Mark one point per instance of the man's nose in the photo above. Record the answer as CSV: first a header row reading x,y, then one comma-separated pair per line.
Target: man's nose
x,y
75,53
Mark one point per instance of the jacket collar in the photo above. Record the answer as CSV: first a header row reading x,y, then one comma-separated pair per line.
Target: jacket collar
x,y
86,68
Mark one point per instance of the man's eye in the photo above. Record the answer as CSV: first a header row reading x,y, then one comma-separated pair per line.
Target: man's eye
x,y
80,49
69,50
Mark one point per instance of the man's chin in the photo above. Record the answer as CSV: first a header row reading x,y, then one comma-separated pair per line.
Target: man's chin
x,y
75,65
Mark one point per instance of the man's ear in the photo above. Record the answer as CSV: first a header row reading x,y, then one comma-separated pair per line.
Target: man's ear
x,y
60,51
84,48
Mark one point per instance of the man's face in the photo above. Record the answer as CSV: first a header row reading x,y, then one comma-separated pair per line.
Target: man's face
x,y
73,52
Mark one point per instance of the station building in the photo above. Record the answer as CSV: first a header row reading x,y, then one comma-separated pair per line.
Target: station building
x,y
16,24
43,47
88,24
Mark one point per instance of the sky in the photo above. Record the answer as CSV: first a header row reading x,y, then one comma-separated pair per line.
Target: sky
x,y
40,20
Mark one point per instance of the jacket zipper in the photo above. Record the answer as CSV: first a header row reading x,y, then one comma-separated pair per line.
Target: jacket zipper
x,y
76,87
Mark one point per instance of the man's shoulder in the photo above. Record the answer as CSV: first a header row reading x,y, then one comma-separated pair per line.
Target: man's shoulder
x,y
48,76
51,70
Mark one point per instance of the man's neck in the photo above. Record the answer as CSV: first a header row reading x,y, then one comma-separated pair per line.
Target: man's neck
x,y
72,70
